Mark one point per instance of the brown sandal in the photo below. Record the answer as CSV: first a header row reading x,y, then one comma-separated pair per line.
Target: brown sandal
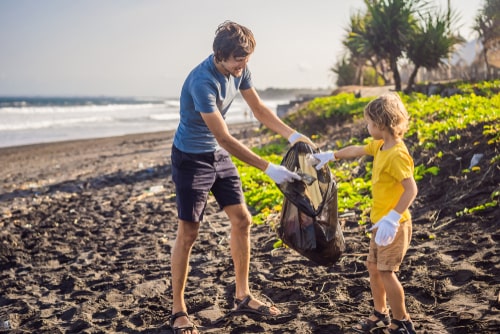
x,y
404,327
241,306
190,328
367,325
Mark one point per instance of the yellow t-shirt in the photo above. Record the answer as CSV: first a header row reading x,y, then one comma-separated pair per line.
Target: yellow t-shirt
x,y
390,167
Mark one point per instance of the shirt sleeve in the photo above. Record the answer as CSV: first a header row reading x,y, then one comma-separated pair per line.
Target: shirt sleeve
x,y
204,96
402,166
372,147
246,81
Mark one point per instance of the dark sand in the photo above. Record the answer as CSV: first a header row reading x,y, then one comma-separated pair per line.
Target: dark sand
x,y
86,230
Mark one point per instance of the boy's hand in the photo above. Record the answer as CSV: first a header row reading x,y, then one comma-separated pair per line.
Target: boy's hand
x,y
280,174
323,158
387,228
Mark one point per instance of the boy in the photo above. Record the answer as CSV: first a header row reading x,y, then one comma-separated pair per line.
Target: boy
x,y
393,191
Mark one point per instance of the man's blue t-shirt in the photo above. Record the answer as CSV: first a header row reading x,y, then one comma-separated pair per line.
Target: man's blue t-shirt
x,y
205,90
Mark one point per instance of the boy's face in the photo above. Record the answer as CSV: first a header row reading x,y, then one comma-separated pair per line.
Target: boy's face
x,y
373,129
233,65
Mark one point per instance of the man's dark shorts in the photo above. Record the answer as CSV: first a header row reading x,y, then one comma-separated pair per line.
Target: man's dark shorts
x,y
195,175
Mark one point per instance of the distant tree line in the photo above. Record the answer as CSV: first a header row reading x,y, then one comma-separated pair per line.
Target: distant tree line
x,y
409,35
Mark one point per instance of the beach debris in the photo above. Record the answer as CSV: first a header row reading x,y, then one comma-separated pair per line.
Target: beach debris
x,y
156,189
163,240
5,324
347,214
151,191
475,159
4,321
308,179
311,160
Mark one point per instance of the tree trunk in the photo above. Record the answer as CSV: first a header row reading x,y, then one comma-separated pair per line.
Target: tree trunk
x,y
485,51
361,75
395,73
411,80
359,71
379,71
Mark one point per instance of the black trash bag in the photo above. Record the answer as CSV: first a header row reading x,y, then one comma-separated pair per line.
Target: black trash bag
x,y
309,218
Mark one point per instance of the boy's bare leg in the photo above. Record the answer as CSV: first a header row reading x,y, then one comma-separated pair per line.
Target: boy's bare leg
x,y
377,289
395,295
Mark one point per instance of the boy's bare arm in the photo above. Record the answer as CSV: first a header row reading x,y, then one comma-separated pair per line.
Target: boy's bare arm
x,y
349,152
323,158
409,194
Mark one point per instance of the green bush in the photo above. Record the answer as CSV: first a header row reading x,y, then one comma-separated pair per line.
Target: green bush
x,y
433,119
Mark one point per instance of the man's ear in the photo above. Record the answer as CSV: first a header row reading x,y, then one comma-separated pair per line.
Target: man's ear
x,y
218,56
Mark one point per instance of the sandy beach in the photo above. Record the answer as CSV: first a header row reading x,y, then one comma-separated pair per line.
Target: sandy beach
x,y
86,229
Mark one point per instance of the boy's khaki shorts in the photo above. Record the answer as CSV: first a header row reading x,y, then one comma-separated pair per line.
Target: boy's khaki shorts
x,y
389,258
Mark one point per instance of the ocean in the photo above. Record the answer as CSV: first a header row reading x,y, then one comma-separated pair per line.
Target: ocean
x,y
34,120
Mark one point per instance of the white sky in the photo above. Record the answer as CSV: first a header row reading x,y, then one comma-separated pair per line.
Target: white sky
x,y
147,47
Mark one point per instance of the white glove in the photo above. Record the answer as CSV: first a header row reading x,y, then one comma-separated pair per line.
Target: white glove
x,y
324,158
297,136
387,228
280,174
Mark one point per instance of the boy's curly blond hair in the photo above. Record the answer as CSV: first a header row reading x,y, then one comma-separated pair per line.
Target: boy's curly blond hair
x,y
388,113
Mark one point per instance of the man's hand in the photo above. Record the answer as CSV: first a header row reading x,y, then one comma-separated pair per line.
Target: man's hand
x,y
297,136
387,228
280,174
323,158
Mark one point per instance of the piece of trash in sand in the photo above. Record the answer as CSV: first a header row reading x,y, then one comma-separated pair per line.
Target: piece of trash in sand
x,y
5,324
4,321
149,192
163,240
156,189
348,214
475,159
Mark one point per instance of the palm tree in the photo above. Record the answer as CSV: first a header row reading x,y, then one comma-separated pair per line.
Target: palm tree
x,y
432,43
357,45
346,72
360,50
390,24
487,25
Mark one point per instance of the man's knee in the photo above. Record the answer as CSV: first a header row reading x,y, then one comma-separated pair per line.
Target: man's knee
x,y
187,232
242,222
239,216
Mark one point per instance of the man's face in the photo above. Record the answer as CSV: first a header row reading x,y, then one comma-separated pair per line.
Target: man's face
x,y
234,65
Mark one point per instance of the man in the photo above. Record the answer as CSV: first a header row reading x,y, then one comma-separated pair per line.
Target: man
x,y
201,162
